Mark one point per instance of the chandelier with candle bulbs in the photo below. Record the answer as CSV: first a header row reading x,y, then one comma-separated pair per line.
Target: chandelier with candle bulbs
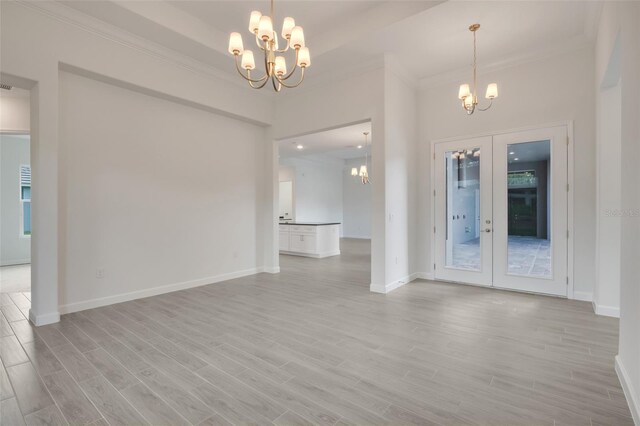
x,y
364,172
267,40
470,98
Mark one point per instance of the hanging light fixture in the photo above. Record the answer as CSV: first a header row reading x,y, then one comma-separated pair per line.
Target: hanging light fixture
x,y
470,98
364,172
267,40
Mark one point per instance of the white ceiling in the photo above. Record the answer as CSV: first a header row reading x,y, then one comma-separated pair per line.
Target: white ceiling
x,y
428,38
529,151
316,17
338,143
438,40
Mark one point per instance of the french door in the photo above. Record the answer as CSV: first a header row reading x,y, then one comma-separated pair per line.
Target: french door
x,y
501,211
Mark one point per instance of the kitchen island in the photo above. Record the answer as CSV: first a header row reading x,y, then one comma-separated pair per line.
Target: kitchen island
x,y
310,239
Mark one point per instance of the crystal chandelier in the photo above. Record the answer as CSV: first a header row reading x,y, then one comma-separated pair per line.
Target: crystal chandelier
x,y
470,99
267,40
363,173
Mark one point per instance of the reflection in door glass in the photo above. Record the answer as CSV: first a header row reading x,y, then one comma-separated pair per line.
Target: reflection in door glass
x,y
529,209
463,209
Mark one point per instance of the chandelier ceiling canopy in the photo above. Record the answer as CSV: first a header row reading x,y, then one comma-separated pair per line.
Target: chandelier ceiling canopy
x,y
275,65
468,97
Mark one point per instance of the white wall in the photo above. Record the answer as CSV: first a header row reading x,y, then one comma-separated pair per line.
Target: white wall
x,y
401,144
356,202
14,112
531,94
286,200
606,295
325,191
286,174
93,48
621,19
14,247
148,197
317,189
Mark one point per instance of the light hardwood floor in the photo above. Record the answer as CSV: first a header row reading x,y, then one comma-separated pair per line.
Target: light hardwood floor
x,y
312,345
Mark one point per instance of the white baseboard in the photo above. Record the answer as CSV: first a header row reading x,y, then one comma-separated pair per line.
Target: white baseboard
x,y
377,288
425,275
314,255
633,399
270,269
583,295
328,254
607,311
15,262
44,319
148,292
386,288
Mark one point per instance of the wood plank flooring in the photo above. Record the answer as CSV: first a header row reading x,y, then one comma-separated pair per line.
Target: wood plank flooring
x,y
312,345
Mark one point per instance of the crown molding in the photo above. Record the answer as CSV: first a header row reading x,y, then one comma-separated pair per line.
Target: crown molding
x,y
571,45
84,22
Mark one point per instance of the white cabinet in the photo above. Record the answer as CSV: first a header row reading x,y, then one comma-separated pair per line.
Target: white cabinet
x,y
284,240
303,243
321,240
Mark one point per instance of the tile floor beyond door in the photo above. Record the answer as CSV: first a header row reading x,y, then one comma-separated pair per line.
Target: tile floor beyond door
x,y
529,256
312,345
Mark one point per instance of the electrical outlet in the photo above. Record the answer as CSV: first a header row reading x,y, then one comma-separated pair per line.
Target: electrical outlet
x,y
100,273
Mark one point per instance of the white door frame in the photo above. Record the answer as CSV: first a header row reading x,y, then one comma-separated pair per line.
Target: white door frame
x,y
556,283
571,294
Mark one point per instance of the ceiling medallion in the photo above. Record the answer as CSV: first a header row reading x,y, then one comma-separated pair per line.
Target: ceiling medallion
x,y
267,40
470,99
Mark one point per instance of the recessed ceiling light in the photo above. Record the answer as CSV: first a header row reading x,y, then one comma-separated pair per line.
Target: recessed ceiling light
x,y
515,159
511,153
359,146
299,146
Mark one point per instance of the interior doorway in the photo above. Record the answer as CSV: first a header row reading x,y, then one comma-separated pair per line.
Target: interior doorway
x,y
15,204
501,208
325,188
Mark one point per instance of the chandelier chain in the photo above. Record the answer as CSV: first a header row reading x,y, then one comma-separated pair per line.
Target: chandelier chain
x,y
475,79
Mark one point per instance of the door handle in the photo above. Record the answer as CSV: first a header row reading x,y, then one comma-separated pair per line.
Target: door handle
x,y
486,230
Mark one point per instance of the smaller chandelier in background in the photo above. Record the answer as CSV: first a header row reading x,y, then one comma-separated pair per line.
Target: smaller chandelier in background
x,y
468,97
364,172
261,26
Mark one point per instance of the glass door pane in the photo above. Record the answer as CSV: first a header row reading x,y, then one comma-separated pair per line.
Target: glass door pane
x,y
463,209
529,209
